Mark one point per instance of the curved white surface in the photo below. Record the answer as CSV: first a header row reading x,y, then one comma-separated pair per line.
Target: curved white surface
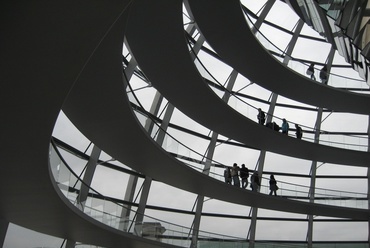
x,y
161,52
226,30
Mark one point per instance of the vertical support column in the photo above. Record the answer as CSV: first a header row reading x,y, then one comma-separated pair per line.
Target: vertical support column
x,y
329,60
207,167
200,198
132,181
271,109
293,42
261,163
148,181
70,243
197,47
314,163
154,109
291,45
129,70
196,222
142,205
312,196
253,225
88,176
3,230
199,43
165,122
263,15
313,178
129,197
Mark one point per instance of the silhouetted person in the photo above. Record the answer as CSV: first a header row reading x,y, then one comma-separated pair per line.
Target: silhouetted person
x,y
324,74
285,127
255,181
244,174
227,175
298,131
261,117
273,186
235,175
311,71
273,126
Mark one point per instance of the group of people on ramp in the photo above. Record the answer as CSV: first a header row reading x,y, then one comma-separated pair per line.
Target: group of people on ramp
x,y
238,176
261,116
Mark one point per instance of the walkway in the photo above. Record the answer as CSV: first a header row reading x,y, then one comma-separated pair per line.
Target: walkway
x,y
177,78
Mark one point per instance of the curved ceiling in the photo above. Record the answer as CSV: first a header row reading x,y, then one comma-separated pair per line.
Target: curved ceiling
x,y
42,55
111,124
174,75
42,63
224,27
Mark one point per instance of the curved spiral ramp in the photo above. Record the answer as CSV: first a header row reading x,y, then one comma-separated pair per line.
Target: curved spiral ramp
x,y
79,68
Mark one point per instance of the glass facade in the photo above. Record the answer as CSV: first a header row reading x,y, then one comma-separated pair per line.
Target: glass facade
x,y
131,201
